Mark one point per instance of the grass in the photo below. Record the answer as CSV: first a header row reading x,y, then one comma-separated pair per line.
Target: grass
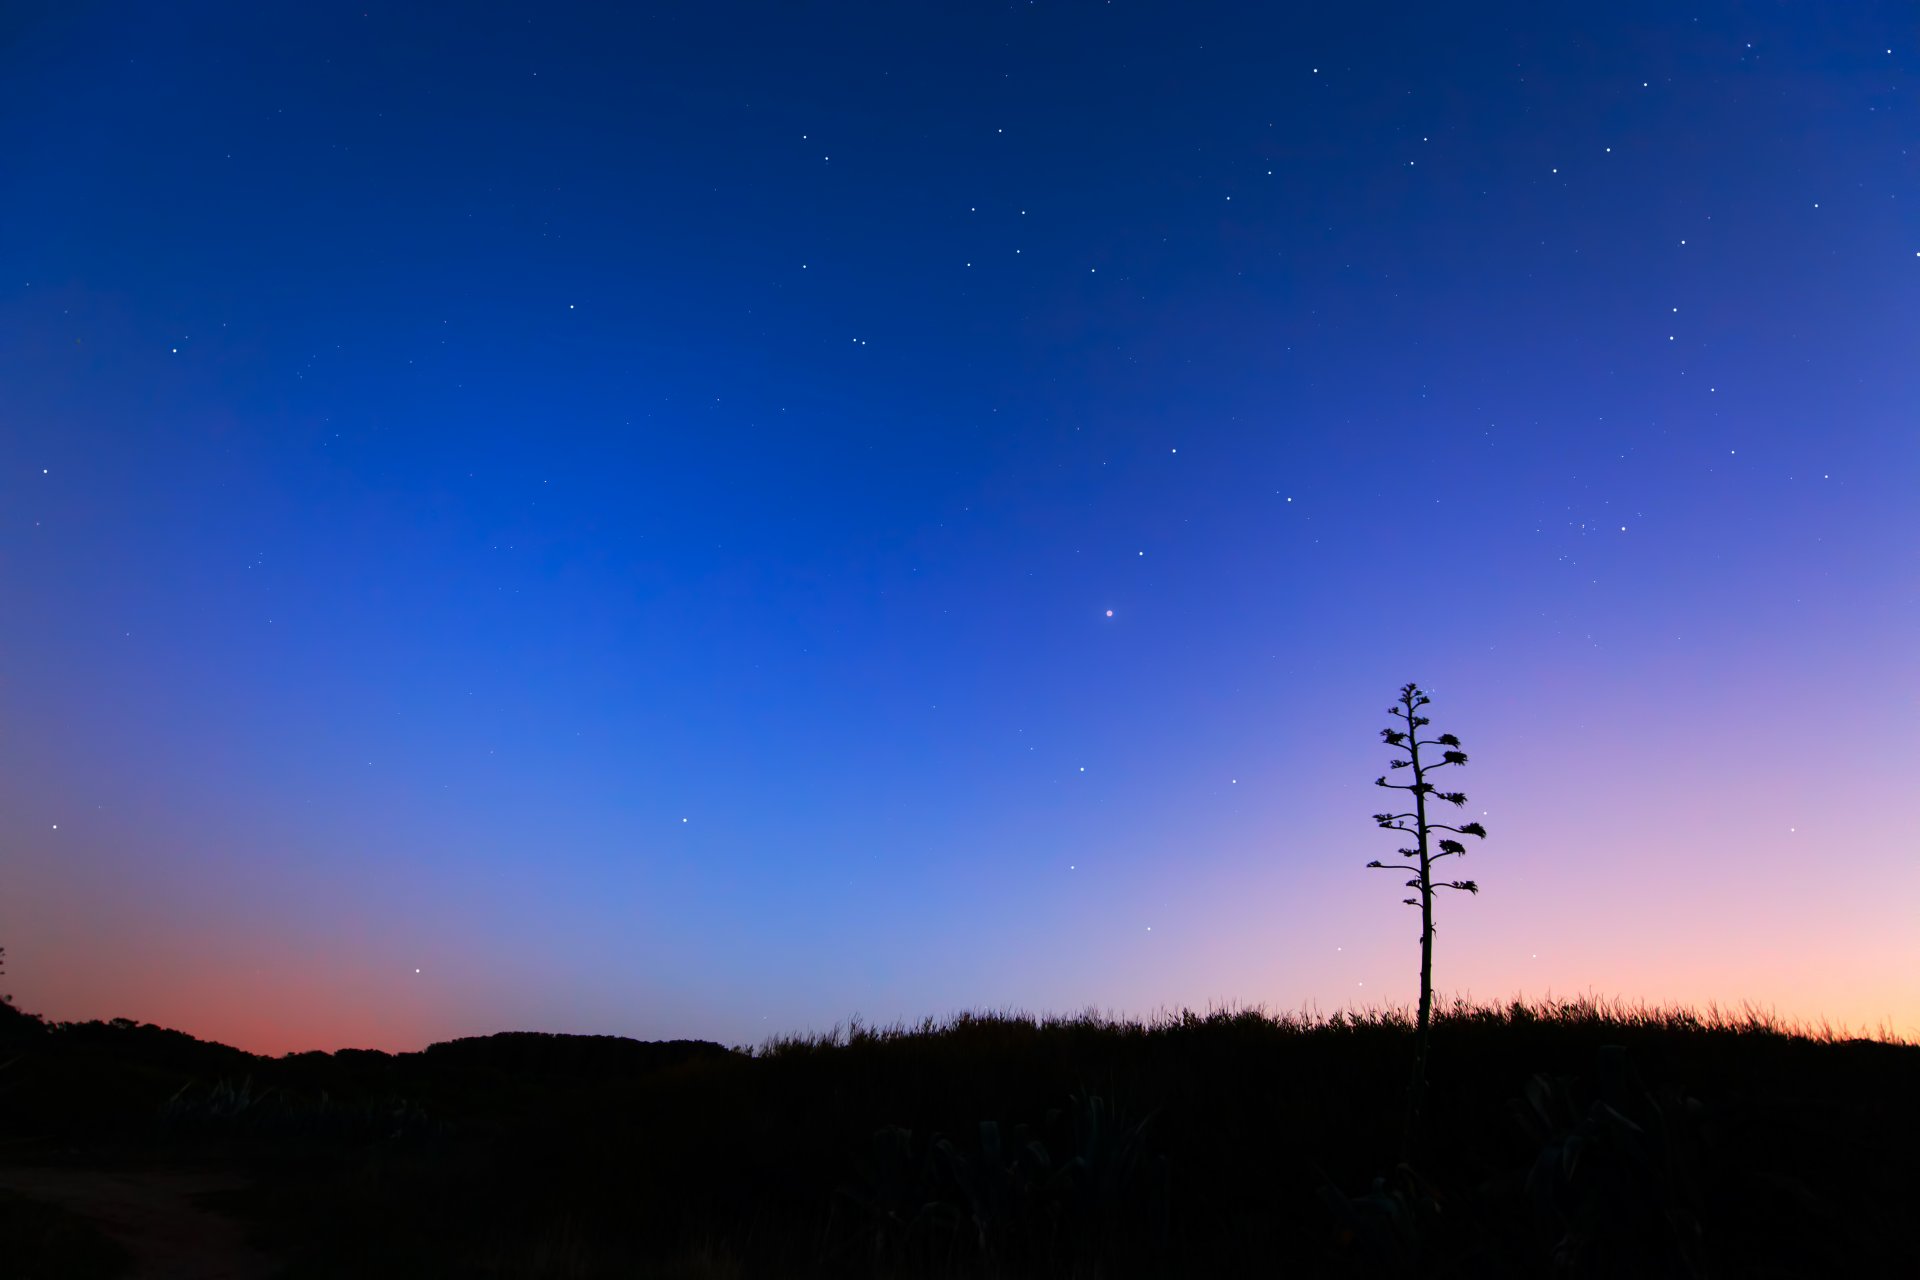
x,y
1577,1137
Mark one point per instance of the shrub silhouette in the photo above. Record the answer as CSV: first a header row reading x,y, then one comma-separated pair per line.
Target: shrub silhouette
x,y
1617,1184
1087,1187
241,1109
1428,851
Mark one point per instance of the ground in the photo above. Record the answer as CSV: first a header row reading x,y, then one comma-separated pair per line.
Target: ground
x,y
157,1214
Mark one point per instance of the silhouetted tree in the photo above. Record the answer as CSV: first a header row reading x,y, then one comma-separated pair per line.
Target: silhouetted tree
x,y
15,1021
1427,850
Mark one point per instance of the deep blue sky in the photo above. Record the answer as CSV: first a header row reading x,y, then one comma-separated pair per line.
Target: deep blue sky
x,y
618,509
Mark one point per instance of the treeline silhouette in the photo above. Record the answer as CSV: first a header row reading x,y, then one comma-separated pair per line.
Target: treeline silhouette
x,y
1564,1138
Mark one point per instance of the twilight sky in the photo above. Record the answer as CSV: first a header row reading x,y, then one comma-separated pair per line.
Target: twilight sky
x,y
706,519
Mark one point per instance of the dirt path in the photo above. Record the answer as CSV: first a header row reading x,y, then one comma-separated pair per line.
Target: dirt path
x,y
151,1212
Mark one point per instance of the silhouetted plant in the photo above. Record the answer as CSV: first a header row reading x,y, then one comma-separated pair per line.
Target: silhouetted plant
x,y
1382,1231
901,1215
1007,1204
1427,850
231,1109
1117,1185
16,1024
1618,1181
1000,1184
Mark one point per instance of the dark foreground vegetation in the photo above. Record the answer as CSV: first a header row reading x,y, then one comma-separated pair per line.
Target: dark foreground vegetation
x,y
1569,1139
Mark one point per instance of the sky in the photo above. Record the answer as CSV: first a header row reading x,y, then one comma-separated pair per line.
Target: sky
x,y
710,520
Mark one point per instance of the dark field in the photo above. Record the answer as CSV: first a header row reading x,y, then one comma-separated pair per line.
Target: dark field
x,y
1570,1139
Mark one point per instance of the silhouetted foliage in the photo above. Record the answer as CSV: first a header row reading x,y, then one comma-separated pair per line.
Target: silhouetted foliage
x,y
1003,1146
15,1022
540,1054
1428,849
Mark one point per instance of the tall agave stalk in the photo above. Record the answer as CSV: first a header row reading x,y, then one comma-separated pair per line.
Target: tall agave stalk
x,y
1427,850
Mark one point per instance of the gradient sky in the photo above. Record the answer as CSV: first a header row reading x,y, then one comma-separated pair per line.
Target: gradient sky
x,y
707,519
